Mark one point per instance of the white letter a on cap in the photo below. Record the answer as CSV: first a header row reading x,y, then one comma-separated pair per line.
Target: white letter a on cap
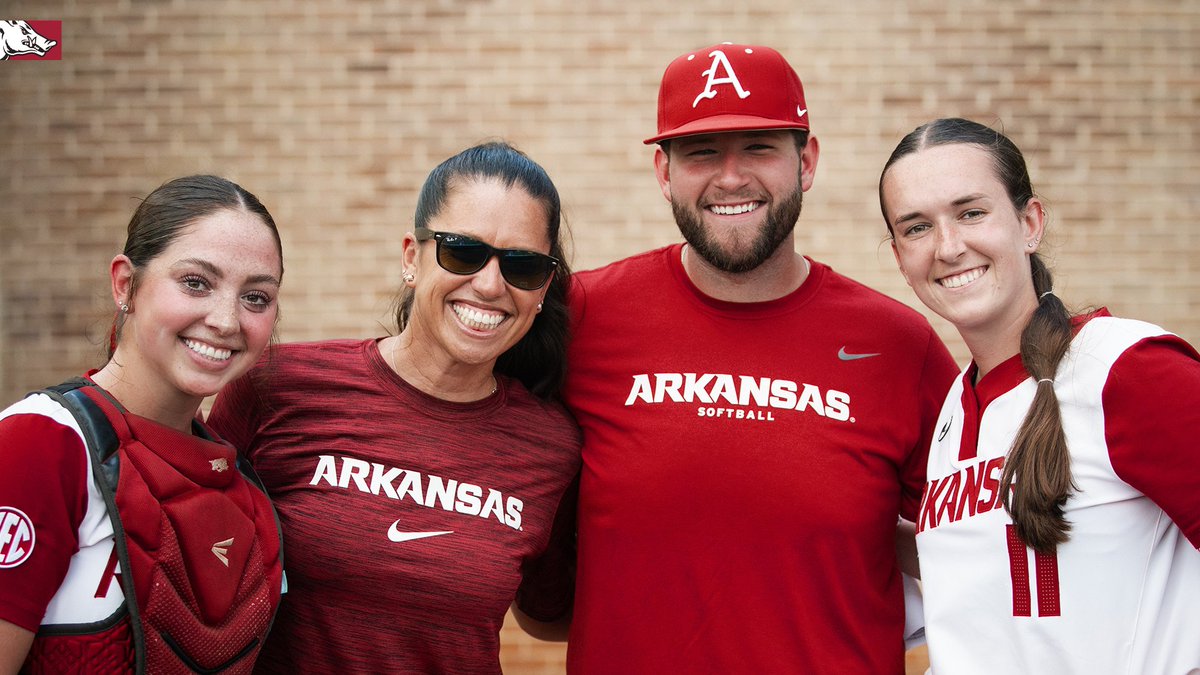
x,y
719,59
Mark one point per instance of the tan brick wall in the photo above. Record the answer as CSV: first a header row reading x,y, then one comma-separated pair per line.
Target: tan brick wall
x,y
332,112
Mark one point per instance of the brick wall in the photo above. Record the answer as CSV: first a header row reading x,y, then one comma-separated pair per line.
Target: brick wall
x,y
332,112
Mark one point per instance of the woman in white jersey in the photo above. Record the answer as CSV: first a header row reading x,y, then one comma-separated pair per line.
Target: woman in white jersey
x,y
1060,522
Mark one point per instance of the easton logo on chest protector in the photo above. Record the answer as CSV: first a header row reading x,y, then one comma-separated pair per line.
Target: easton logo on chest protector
x,y
198,546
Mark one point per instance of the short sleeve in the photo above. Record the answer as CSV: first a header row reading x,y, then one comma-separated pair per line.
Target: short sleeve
x,y
547,589
1151,422
43,500
937,375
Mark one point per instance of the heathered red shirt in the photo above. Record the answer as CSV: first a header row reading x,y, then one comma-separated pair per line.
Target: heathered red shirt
x,y
407,520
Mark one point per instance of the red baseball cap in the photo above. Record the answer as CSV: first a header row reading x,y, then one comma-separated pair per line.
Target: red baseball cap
x,y
729,87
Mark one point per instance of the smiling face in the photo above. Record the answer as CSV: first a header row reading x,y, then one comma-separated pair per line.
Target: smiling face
x,y
467,321
201,311
736,196
960,243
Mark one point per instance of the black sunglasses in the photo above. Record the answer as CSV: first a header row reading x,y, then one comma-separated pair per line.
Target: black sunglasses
x,y
460,254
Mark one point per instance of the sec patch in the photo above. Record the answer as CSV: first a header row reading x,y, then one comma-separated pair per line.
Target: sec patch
x,y
16,537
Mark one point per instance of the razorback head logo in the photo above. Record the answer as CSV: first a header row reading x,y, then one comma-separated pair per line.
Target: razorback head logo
x,y
18,38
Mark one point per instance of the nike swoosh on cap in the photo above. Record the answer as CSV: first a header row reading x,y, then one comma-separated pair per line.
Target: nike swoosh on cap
x,y
846,356
398,536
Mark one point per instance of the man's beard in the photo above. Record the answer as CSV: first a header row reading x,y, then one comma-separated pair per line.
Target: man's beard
x,y
781,220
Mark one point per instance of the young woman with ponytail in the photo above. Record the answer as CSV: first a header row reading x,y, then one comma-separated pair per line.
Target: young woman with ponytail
x,y
1059,527
132,537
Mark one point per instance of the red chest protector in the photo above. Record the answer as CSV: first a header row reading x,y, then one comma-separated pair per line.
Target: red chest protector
x,y
197,540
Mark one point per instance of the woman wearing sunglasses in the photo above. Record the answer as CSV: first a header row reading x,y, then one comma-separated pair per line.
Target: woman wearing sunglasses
x,y
417,476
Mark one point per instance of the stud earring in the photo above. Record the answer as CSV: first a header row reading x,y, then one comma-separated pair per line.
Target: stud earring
x,y
124,308
539,307
409,278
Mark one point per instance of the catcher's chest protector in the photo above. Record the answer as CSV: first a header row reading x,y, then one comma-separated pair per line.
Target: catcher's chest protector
x,y
198,546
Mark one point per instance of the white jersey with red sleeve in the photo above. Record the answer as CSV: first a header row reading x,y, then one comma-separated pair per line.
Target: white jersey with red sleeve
x,y
1121,596
57,567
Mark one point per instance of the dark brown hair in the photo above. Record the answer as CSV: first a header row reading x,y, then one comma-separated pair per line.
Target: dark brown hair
x,y
1039,461
538,359
164,214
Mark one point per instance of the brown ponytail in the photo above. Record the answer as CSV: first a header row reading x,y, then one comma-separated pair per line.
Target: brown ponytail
x,y
1039,458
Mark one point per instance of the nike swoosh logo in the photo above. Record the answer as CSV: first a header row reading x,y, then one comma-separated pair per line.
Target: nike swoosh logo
x,y
846,356
398,536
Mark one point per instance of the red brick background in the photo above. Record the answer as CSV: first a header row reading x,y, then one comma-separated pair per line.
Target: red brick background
x,y
333,111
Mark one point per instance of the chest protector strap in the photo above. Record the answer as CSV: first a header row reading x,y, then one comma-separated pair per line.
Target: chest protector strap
x,y
196,537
